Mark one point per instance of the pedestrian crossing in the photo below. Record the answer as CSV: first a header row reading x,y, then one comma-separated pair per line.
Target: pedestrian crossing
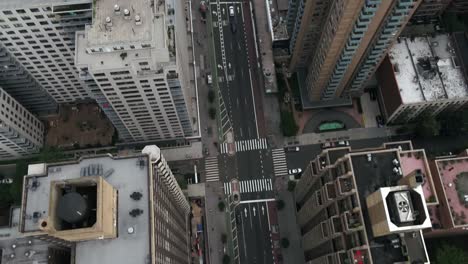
x,y
279,162
257,185
211,169
246,145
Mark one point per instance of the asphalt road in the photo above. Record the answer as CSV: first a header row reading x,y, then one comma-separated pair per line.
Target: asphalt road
x,y
254,233
237,71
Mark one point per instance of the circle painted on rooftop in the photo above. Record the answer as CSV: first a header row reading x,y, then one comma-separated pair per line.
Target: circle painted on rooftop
x,y
72,208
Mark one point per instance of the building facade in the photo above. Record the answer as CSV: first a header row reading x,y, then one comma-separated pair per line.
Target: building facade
x,y
19,83
459,6
126,209
139,58
349,44
346,206
21,133
40,35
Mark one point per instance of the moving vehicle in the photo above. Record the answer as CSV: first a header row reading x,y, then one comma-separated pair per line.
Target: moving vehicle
x,y
292,149
294,171
342,143
328,145
379,120
231,11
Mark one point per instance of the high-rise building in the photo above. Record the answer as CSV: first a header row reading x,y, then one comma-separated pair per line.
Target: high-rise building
x,y
459,6
40,35
138,55
342,42
21,133
430,9
109,209
19,83
365,207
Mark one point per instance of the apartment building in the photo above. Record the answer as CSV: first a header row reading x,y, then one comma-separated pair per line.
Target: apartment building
x,y
349,41
19,83
430,9
423,75
21,133
365,206
126,209
40,35
139,58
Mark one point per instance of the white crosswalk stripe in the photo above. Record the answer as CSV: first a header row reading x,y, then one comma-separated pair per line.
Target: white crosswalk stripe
x,y
211,168
250,144
279,162
223,148
258,185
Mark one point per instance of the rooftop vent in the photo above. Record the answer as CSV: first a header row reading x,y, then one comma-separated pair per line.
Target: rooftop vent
x,y
136,196
126,13
108,22
117,9
131,230
404,207
137,20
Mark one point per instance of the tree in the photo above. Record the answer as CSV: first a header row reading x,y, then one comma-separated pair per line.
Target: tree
x,y
288,124
221,206
211,96
212,113
284,242
223,238
226,259
448,254
427,126
49,154
291,186
280,204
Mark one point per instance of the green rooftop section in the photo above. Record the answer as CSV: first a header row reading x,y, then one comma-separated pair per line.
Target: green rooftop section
x,y
331,126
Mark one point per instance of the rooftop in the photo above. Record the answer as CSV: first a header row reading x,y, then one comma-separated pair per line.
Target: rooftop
x,y
12,4
128,176
369,177
426,69
453,173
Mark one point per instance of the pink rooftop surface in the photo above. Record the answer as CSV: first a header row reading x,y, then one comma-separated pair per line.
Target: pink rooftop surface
x,y
409,163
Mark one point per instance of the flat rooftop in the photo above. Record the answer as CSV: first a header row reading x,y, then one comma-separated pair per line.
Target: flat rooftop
x,y
453,173
370,176
128,177
426,69
12,4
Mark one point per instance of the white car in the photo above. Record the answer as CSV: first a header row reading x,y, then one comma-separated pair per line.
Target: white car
x,y
231,11
295,171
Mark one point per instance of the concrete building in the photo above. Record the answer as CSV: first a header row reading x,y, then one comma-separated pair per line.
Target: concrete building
x,y
19,83
365,206
40,36
341,43
138,55
422,75
450,175
430,10
108,209
21,133
459,6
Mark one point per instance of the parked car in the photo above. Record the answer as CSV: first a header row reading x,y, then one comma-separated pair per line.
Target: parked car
x,y
231,11
373,95
294,171
209,79
379,120
328,145
342,143
292,149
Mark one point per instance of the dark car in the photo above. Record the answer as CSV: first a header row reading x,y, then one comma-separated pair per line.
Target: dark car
x,y
233,27
379,120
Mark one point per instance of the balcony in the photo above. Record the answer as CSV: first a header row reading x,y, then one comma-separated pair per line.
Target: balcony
x,y
353,220
346,185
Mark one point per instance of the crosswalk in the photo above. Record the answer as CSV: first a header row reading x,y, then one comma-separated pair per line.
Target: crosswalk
x,y
279,162
258,185
246,145
211,168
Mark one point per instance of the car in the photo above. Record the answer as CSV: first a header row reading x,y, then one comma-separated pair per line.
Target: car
x,y
231,11
373,95
292,149
379,120
233,27
209,79
294,171
328,145
342,143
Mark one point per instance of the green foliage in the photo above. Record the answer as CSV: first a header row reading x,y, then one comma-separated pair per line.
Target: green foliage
x,y
50,154
284,242
221,206
212,113
288,124
427,126
448,254
11,194
280,204
454,123
291,186
226,259
211,96
294,84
